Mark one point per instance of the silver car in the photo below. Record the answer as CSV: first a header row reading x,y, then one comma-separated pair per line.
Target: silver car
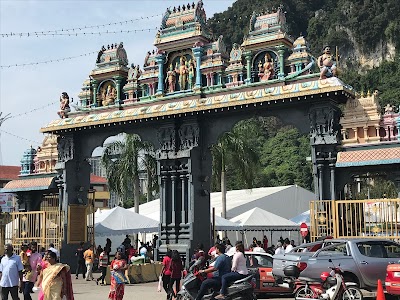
x,y
363,261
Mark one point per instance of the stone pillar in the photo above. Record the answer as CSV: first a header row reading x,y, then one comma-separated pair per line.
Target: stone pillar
x,y
160,61
248,57
198,52
332,167
366,138
95,85
185,199
118,87
281,74
324,139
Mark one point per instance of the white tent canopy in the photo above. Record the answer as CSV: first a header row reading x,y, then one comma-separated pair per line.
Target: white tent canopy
x,y
122,221
259,219
152,210
302,218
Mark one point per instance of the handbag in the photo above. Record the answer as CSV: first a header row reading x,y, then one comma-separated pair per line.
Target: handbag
x,y
119,278
160,283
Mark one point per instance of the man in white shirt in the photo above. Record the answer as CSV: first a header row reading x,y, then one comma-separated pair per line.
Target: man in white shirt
x,y
258,248
279,249
10,273
287,245
52,249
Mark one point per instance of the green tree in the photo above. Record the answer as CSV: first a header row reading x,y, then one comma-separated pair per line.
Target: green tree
x,y
284,159
122,161
233,147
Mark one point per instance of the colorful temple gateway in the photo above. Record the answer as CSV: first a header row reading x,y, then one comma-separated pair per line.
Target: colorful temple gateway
x,y
189,91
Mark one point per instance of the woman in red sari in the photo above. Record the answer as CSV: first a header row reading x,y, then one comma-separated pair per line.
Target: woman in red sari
x,y
118,279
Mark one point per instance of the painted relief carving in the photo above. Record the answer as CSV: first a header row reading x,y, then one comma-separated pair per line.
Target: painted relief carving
x,y
166,138
108,94
266,69
65,148
326,63
188,136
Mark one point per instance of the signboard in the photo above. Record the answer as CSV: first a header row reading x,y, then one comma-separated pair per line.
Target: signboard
x,y
7,202
303,229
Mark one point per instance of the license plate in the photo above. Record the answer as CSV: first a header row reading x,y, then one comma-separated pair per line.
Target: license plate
x,y
267,284
396,274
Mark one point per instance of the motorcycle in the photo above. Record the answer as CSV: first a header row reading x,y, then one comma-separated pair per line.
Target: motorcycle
x,y
242,289
331,287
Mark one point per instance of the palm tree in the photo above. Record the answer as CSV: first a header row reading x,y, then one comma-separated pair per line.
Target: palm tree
x,y
122,161
232,148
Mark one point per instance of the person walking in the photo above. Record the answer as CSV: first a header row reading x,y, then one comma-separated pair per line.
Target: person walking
x,y
118,279
103,263
80,261
166,272
53,249
239,271
89,259
35,260
10,273
176,269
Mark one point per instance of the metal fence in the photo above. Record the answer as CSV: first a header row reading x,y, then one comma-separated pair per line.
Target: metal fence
x,y
43,227
355,218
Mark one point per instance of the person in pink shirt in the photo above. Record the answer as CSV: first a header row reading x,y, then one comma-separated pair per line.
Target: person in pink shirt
x,y
35,260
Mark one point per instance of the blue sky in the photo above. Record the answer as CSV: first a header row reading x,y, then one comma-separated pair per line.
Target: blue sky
x,y
23,89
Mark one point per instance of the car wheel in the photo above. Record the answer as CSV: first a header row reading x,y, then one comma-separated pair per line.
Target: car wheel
x,y
352,293
304,292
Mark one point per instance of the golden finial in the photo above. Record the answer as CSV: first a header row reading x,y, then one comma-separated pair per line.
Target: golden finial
x,y
362,94
369,93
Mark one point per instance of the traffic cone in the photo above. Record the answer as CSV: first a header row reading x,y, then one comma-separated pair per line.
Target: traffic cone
x,y
380,294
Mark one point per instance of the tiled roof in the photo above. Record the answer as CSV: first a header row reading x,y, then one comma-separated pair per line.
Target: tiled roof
x,y
368,157
94,179
9,172
28,184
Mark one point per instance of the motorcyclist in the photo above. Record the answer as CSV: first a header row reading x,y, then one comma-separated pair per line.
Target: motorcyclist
x,y
221,267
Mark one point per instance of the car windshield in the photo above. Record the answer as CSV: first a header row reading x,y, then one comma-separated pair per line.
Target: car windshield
x,y
256,260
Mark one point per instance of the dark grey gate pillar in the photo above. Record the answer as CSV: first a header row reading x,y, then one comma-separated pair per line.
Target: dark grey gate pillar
x,y
74,184
184,170
325,138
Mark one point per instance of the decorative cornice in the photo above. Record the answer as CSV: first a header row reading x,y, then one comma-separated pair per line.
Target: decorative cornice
x,y
263,94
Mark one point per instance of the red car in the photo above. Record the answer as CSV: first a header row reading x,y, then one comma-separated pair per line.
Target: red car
x,y
260,264
392,281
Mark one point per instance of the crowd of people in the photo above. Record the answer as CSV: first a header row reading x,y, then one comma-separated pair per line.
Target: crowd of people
x,y
227,264
32,270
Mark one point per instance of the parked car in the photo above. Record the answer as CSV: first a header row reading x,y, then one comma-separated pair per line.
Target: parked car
x,y
260,264
392,281
363,261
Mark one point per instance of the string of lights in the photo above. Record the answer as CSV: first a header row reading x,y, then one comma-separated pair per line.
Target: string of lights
x,y
75,29
47,61
20,137
32,110
37,34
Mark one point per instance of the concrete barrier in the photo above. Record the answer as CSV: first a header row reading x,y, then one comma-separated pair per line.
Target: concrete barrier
x,y
135,274
149,273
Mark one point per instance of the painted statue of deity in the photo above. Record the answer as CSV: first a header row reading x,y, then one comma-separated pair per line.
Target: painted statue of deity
x,y
326,64
64,106
183,73
171,78
109,95
266,69
191,74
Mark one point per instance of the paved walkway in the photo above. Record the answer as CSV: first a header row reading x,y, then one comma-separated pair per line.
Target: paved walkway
x,y
88,290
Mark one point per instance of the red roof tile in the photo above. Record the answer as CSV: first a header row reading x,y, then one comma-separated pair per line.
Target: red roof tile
x,y
367,155
94,179
27,184
9,172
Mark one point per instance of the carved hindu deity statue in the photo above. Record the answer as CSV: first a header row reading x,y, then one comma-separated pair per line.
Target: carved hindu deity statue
x,y
64,106
191,74
171,79
266,69
326,63
108,95
183,72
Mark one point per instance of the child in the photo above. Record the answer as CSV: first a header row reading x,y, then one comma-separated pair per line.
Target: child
x,y
27,271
